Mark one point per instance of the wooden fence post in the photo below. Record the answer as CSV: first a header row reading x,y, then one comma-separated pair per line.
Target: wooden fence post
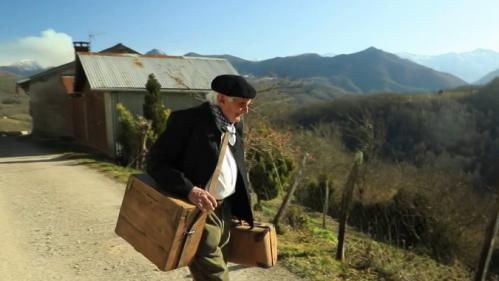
x,y
488,245
326,205
346,199
289,195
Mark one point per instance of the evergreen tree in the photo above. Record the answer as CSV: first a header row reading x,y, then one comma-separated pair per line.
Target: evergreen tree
x,y
137,134
270,172
127,135
153,107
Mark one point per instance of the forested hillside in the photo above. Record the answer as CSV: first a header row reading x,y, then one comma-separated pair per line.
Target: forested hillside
x,y
429,177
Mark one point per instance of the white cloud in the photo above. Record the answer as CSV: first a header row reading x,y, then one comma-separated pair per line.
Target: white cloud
x,y
51,48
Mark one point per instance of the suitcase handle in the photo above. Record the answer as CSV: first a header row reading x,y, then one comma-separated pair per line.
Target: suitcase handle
x,y
239,222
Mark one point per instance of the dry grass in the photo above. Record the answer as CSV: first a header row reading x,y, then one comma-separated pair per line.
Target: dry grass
x,y
14,110
310,252
12,125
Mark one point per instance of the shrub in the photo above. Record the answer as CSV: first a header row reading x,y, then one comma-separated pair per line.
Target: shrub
x,y
313,193
128,135
268,173
419,221
11,101
295,218
270,163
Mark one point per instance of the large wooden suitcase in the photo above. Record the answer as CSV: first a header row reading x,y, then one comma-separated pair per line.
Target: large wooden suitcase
x,y
165,229
255,246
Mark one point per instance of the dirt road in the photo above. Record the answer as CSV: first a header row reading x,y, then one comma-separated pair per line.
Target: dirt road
x,y
57,222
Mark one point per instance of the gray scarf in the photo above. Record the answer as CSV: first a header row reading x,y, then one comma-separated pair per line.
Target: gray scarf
x,y
223,123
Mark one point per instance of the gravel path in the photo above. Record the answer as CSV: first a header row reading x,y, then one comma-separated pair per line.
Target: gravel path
x,y
57,222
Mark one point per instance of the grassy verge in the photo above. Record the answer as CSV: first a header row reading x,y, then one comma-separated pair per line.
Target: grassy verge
x,y
309,250
102,165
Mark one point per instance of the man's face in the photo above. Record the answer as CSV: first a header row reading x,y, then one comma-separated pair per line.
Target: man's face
x,y
233,108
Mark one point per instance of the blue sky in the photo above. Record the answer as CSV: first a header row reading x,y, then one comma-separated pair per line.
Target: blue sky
x,y
40,30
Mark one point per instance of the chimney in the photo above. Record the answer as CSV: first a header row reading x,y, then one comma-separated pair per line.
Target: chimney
x,y
81,46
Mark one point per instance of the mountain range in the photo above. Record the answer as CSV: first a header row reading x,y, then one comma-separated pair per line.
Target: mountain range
x,y
469,66
23,68
489,77
371,70
368,71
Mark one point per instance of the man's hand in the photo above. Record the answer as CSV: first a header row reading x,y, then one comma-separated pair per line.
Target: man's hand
x,y
202,199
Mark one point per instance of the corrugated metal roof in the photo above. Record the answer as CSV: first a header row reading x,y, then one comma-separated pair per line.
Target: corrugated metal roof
x,y
128,71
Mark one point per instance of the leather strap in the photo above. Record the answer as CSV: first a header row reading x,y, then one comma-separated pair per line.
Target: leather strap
x,y
199,221
218,169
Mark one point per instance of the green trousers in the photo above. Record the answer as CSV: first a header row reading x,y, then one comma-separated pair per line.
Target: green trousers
x,y
209,263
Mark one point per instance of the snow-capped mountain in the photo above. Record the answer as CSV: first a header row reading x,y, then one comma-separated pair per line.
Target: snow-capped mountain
x,y
469,66
23,68
155,52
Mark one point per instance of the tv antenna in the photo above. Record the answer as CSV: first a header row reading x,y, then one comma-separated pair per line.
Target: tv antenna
x,y
92,35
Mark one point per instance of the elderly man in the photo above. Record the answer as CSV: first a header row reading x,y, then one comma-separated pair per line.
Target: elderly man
x,y
185,156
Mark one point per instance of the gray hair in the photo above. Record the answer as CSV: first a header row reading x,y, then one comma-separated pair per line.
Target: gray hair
x,y
211,97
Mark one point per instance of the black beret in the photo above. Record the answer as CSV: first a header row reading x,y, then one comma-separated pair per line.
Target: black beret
x,y
233,86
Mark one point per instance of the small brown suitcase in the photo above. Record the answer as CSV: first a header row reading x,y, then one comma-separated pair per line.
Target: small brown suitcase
x,y
165,229
255,246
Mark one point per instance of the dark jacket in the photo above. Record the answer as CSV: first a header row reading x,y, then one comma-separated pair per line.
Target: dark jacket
x,y
186,153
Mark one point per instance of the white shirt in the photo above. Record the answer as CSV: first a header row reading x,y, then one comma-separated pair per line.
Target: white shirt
x,y
226,184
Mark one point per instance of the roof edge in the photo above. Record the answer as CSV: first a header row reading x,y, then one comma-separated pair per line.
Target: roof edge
x,y
44,73
144,90
147,56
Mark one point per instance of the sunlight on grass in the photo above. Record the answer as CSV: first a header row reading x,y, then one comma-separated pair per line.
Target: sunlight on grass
x,y
310,250
103,165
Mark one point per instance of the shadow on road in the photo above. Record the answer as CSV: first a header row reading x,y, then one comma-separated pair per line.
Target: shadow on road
x,y
35,149
19,146
236,267
55,159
